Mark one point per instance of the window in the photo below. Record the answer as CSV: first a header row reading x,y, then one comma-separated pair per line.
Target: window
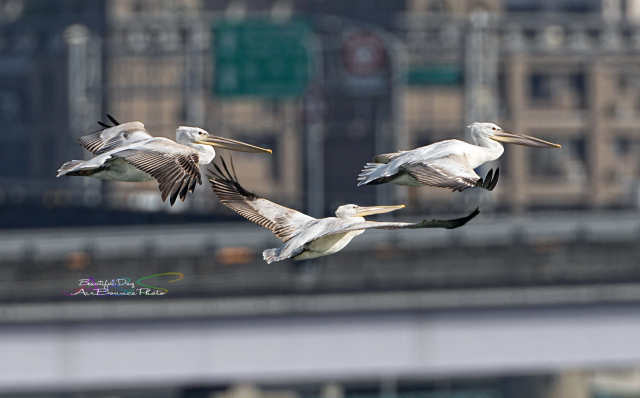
x,y
540,87
622,146
572,6
564,89
524,5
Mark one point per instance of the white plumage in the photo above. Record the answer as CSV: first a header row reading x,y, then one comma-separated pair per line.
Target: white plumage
x,y
449,163
127,152
306,237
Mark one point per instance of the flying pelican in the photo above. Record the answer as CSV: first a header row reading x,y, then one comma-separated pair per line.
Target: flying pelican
x,y
306,237
127,152
448,163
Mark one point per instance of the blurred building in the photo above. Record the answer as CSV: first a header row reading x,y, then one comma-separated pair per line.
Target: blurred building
x,y
544,304
558,69
45,68
159,70
378,76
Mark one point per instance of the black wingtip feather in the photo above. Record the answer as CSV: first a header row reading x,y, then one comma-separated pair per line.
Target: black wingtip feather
x,y
184,188
494,182
113,119
487,179
174,196
490,181
458,222
222,174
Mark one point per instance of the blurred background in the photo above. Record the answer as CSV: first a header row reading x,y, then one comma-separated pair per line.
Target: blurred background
x,y
539,296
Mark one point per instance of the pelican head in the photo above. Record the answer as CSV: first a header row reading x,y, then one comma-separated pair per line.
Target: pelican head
x,y
346,211
195,135
493,131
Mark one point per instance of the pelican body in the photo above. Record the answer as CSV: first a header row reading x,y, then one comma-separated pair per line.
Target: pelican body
x,y
449,163
127,152
306,237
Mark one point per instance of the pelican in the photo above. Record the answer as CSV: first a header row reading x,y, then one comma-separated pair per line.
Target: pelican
x,y
306,237
127,152
449,163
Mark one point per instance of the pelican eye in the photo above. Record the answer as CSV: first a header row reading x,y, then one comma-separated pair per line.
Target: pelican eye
x,y
493,128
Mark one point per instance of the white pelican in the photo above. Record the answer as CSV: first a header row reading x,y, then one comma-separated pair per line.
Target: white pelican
x,y
449,163
306,237
127,152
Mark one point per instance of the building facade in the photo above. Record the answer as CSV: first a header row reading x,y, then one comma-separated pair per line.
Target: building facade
x,y
566,70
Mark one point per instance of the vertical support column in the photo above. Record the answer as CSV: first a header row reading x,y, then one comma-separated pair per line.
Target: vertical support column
x,y
518,167
289,152
570,384
77,38
332,390
481,68
481,76
84,91
389,388
193,87
399,67
193,95
314,131
633,11
382,111
597,139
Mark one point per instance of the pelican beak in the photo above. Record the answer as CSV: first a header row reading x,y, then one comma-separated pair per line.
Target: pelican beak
x,y
233,145
521,139
369,210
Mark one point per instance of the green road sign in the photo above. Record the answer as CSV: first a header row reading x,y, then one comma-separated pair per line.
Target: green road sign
x,y
442,75
261,57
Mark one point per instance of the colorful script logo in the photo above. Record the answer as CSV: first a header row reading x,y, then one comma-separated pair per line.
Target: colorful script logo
x,y
122,286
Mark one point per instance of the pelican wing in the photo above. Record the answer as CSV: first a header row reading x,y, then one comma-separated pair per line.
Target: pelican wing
x,y
174,166
447,172
114,136
435,223
282,221
387,157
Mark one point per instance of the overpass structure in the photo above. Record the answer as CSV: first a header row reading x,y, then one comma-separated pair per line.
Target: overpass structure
x,y
219,260
277,340
527,295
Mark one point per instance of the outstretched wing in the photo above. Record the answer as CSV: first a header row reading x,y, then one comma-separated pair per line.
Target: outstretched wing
x,y
174,166
447,172
282,221
113,136
387,157
435,223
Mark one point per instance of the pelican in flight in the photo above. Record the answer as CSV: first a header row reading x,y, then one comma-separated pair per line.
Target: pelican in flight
x,y
306,237
127,152
449,163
